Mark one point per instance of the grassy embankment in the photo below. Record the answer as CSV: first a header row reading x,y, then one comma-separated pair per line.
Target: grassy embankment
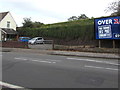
x,y
65,33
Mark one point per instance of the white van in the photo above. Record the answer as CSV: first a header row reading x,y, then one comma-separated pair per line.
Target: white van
x,y
36,40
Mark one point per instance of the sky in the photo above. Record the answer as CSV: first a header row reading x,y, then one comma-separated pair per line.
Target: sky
x,y
53,11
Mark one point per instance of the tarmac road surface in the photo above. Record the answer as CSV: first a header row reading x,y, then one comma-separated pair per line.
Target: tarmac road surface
x,y
34,70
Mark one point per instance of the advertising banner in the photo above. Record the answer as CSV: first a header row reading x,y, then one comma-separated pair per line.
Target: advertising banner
x,y
107,28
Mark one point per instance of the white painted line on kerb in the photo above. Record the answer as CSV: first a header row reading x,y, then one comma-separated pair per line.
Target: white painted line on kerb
x,y
90,60
100,68
9,85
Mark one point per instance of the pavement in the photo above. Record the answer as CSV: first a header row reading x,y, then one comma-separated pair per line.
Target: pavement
x,y
65,53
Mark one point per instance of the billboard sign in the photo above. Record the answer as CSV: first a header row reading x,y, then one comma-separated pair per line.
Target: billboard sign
x,y
107,28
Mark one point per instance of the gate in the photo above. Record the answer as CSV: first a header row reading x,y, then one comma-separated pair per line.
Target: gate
x,y
47,45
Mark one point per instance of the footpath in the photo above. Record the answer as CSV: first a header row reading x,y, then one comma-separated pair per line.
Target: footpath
x,y
65,53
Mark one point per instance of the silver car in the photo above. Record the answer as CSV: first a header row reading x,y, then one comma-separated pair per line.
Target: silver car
x,y
36,40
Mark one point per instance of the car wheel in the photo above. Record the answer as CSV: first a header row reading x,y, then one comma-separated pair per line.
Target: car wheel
x,y
35,43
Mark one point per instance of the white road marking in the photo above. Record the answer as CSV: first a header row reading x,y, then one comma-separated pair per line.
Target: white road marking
x,y
90,60
31,59
41,61
53,60
35,60
21,59
46,61
100,67
9,85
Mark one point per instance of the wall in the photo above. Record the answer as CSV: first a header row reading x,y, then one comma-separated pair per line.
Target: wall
x,y
0,35
15,44
8,17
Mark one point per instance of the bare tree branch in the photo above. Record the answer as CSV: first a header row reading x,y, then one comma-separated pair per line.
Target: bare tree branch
x,y
114,7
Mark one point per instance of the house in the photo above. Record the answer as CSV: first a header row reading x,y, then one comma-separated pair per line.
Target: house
x,y
7,27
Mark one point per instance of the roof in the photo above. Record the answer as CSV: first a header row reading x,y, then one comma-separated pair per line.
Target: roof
x,y
3,14
9,31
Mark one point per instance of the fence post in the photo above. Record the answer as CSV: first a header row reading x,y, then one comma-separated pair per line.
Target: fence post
x,y
99,43
113,43
52,44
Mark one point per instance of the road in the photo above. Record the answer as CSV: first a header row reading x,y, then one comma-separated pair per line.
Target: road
x,y
33,70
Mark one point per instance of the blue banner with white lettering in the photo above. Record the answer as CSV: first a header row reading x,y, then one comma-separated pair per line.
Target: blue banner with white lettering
x,y
107,28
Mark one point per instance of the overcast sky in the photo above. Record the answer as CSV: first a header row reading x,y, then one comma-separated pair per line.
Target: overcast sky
x,y
53,11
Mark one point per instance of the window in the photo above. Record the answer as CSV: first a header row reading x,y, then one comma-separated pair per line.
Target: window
x,y
39,39
8,24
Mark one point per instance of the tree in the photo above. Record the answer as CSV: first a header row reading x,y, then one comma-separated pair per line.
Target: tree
x,y
27,22
114,7
72,18
30,24
37,24
82,16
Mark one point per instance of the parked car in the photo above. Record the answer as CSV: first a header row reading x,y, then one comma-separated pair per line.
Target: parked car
x,y
36,40
24,39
